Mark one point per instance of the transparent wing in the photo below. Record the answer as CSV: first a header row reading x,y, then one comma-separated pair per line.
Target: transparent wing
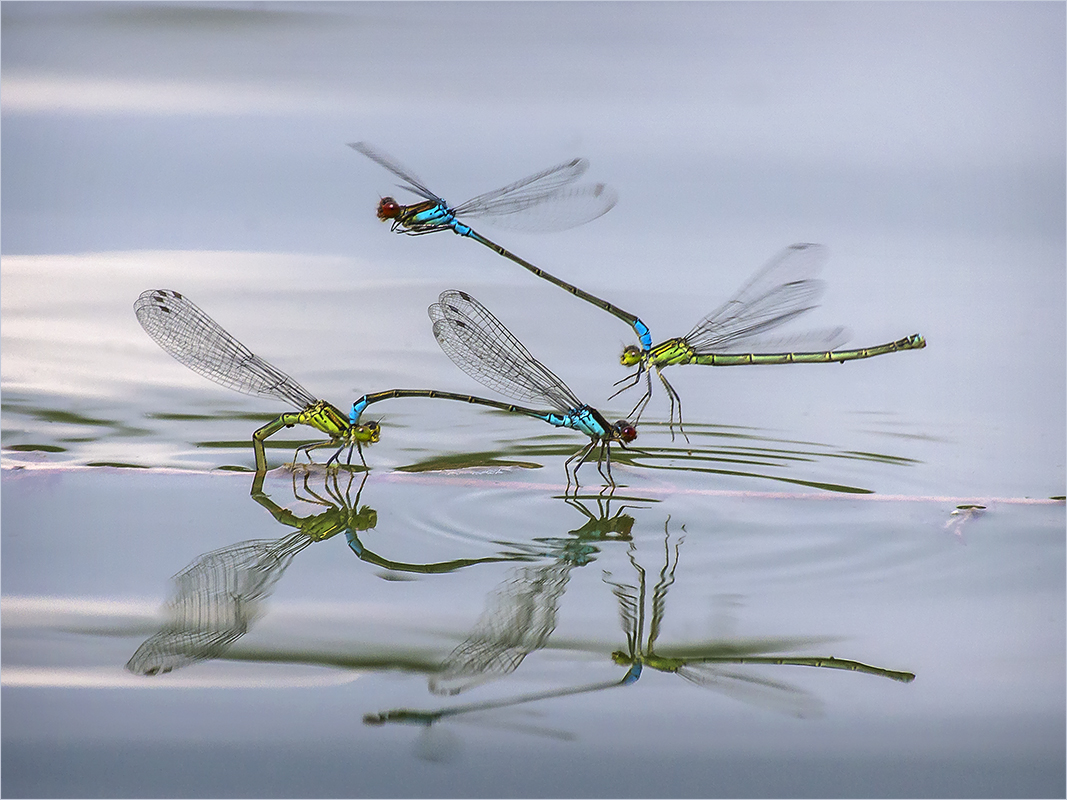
x,y
480,345
781,291
413,184
526,192
216,600
629,597
544,201
776,695
818,340
561,211
197,341
519,619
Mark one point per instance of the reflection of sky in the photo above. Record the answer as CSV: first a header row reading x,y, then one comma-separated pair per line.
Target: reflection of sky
x,y
980,624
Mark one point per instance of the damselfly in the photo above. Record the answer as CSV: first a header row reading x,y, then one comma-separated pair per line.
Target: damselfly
x,y
480,345
197,341
734,333
544,201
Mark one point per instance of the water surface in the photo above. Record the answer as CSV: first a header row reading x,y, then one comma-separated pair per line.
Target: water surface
x,y
848,580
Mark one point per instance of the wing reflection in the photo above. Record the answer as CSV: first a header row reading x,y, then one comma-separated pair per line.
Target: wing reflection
x,y
219,596
707,668
528,602
216,600
521,614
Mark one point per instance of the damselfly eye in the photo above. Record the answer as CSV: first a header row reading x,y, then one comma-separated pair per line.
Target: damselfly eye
x,y
630,356
388,208
625,431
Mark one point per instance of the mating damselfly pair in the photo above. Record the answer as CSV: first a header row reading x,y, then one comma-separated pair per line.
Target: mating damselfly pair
x,y
477,342
734,334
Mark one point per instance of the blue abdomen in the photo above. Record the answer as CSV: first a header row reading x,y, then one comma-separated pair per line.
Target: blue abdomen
x,y
357,411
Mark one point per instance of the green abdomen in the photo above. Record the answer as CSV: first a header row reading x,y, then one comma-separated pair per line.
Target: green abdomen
x,y
680,353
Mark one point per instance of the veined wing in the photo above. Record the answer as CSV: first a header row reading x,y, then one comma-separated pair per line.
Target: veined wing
x,y
544,201
216,599
781,291
480,345
413,184
565,209
776,695
817,341
528,190
631,617
197,341
519,619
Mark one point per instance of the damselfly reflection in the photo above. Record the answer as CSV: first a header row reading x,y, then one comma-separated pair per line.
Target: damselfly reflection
x,y
341,514
218,597
435,745
520,614
706,666
722,664
519,619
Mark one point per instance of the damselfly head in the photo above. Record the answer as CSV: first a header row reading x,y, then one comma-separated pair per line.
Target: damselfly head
x,y
365,519
631,355
369,432
388,209
624,431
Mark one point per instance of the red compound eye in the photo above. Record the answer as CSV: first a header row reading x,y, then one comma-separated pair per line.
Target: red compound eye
x,y
625,431
388,208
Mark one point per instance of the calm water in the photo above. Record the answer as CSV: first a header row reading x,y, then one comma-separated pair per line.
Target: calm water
x,y
850,580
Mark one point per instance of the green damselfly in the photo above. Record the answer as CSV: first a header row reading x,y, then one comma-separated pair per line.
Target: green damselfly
x,y
197,341
734,334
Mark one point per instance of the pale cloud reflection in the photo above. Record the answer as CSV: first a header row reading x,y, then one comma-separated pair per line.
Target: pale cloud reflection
x,y
43,616
55,94
280,676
